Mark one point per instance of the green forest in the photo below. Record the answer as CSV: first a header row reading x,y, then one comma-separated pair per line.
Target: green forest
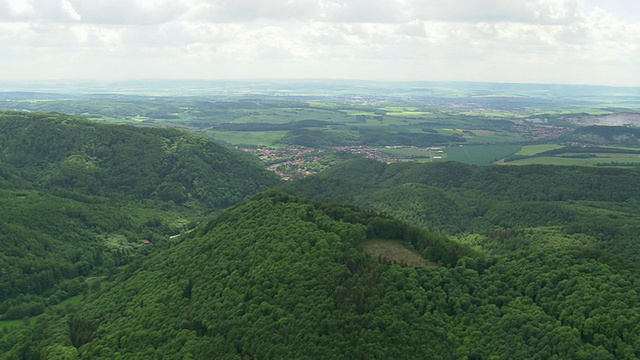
x,y
122,242
79,199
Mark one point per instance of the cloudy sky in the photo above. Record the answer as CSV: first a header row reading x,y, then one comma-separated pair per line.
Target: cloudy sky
x,y
539,41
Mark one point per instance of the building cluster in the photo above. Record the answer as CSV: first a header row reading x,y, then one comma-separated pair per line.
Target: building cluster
x,y
538,131
293,162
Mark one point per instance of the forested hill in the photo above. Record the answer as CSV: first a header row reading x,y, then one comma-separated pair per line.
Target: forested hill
x,y
53,151
528,183
492,207
80,199
454,197
282,277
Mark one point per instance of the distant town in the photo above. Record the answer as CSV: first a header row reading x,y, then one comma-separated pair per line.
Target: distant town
x,y
298,161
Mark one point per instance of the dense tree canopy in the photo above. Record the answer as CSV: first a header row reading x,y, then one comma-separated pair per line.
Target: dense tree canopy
x,y
532,262
283,277
78,198
53,151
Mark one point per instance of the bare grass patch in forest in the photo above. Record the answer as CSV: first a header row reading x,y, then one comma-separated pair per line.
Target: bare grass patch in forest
x,y
396,252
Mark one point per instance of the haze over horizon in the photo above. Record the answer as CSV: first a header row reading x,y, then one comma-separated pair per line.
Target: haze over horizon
x,y
522,41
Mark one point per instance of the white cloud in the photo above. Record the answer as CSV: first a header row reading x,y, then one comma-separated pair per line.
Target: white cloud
x,y
529,11
141,12
501,40
36,10
369,11
251,10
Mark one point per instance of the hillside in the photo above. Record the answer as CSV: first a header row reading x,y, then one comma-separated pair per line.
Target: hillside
x,y
52,151
279,276
607,134
78,198
530,262
459,199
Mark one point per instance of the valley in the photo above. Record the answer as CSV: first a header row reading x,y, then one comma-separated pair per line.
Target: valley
x,y
417,220
299,124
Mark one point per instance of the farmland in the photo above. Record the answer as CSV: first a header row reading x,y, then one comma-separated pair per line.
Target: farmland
x,y
470,123
596,156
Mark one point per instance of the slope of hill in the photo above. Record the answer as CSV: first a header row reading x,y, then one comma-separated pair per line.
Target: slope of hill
x,y
53,151
282,277
79,198
544,266
607,134
458,199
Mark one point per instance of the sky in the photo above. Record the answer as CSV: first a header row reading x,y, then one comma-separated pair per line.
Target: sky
x,y
516,41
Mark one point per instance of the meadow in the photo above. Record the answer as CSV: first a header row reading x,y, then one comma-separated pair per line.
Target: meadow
x,y
72,301
479,154
529,150
617,160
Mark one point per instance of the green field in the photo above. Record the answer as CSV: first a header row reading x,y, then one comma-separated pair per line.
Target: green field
x,y
399,109
286,115
495,138
556,160
409,153
479,154
8,324
409,113
72,301
493,116
530,150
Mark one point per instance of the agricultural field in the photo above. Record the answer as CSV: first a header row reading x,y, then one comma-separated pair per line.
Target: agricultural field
x,y
529,150
616,160
474,123
575,156
597,161
480,154
417,154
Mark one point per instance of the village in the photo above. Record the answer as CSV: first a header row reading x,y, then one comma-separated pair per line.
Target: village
x,y
298,161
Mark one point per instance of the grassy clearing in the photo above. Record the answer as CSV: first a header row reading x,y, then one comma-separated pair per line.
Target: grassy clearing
x,y
480,154
555,160
286,115
620,147
447,131
408,153
399,109
497,137
530,150
486,113
74,300
482,132
409,113
9,324
396,252
359,112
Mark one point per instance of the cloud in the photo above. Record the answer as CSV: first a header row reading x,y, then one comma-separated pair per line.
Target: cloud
x,y
527,11
140,12
369,11
146,12
252,10
36,10
417,39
